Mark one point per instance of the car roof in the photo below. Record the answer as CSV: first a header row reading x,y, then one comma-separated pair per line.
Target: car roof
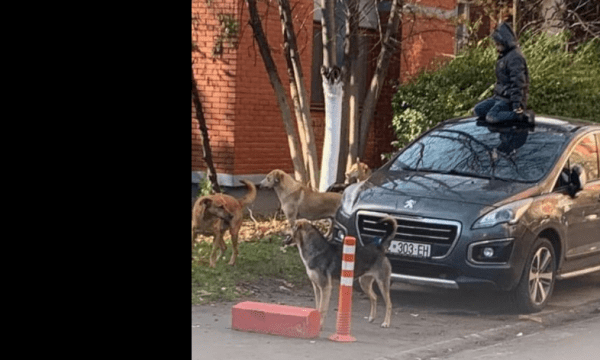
x,y
555,123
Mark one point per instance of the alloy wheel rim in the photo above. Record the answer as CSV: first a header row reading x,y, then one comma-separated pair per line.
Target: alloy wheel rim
x,y
541,275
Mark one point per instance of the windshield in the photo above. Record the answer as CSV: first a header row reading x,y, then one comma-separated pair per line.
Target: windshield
x,y
465,148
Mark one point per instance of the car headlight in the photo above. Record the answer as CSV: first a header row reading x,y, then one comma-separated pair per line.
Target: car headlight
x,y
349,198
509,213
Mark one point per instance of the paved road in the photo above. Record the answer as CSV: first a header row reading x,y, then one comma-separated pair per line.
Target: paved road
x,y
578,341
426,324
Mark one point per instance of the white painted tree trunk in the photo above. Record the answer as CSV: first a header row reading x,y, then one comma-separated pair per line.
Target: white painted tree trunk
x,y
332,89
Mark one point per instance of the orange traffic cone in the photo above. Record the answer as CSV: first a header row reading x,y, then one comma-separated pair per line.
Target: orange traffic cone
x,y
344,316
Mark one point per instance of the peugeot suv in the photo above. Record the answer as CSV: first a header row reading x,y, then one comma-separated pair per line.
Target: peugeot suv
x,y
513,207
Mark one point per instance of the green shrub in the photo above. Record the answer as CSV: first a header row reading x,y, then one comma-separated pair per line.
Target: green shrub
x,y
205,187
562,83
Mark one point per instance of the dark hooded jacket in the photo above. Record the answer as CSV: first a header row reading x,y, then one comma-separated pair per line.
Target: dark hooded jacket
x,y
512,76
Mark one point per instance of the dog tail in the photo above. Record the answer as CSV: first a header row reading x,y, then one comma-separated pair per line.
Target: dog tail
x,y
250,196
391,226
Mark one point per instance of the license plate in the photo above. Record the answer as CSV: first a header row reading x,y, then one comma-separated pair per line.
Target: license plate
x,y
406,248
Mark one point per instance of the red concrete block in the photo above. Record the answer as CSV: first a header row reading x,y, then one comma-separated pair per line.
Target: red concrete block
x,y
276,319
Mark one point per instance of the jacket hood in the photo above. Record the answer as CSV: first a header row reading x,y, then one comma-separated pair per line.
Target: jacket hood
x,y
505,35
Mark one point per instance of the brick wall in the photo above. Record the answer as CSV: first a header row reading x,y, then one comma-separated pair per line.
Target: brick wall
x,y
427,38
261,142
245,127
243,119
216,84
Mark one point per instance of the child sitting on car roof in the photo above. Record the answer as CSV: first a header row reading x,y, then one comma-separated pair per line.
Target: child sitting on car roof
x,y
509,102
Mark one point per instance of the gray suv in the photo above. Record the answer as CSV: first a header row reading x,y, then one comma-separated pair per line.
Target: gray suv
x,y
512,207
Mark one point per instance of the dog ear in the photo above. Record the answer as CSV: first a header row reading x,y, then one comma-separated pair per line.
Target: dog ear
x,y
207,201
278,176
295,227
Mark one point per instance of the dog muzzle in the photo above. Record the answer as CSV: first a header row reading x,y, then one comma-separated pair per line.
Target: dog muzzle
x,y
287,240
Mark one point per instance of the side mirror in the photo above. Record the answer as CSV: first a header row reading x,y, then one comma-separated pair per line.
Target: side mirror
x,y
578,179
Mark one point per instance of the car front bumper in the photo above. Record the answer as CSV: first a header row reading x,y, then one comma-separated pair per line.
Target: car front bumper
x,y
458,269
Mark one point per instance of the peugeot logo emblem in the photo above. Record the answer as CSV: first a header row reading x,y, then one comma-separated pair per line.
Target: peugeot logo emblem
x,y
409,204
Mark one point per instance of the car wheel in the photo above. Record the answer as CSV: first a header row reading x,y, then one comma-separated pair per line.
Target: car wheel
x,y
537,281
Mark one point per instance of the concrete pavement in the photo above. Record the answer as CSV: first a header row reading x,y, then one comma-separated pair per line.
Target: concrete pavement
x,y
578,340
426,324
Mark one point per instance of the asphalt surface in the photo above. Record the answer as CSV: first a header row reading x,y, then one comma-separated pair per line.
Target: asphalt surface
x,y
578,340
426,324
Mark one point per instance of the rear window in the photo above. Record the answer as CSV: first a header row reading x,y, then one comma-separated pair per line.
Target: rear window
x,y
466,148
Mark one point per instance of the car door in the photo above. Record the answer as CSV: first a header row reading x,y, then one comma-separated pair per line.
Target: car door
x,y
582,216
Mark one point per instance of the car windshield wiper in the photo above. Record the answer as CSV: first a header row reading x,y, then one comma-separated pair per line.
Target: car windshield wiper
x,y
460,173
481,176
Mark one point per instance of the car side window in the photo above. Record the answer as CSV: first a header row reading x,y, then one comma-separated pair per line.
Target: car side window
x,y
563,178
586,154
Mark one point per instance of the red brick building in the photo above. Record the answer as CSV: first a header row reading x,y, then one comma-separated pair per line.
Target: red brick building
x,y
246,131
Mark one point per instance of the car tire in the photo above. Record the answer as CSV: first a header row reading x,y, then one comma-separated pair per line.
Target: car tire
x,y
537,280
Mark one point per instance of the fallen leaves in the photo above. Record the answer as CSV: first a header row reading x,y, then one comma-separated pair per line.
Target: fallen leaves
x,y
253,230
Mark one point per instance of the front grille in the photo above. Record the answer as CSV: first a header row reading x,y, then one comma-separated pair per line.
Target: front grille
x,y
440,234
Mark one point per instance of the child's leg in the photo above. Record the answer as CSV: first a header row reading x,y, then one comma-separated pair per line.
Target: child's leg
x,y
500,112
482,108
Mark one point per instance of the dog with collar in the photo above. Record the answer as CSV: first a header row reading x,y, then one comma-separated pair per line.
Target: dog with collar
x,y
323,262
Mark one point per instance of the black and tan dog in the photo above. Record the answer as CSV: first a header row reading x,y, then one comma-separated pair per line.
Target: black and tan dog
x,y
215,214
323,262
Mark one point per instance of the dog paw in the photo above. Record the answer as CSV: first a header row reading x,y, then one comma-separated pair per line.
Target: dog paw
x,y
371,319
385,325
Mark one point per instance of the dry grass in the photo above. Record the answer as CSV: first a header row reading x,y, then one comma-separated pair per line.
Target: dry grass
x,y
255,228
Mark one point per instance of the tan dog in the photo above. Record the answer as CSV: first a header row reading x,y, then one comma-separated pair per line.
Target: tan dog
x,y
323,262
214,214
357,172
300,202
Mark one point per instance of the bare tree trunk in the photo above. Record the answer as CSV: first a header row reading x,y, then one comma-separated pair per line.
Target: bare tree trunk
x,y
334,94
515,13
328,33
351,77
296,101
284,107
207,152
329,40
388,47
310,154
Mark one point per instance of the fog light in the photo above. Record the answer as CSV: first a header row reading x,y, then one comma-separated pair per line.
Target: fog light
x,y
488,252
340,235
491,252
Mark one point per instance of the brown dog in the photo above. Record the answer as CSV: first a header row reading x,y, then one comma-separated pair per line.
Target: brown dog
x,y
300,202
323,262
357,172
214,214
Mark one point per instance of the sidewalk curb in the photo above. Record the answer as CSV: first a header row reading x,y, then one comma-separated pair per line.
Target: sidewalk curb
x,y
535,323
